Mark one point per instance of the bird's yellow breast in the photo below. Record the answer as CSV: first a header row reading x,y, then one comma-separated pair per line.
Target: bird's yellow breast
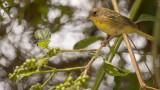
x,y
105,27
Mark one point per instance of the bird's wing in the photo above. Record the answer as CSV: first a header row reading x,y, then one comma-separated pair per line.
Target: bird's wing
x,y
118,18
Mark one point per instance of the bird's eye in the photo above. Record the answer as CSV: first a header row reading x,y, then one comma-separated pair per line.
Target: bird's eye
x,y
94,13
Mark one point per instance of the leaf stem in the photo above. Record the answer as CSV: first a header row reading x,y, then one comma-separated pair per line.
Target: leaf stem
x,y
77,50
47,80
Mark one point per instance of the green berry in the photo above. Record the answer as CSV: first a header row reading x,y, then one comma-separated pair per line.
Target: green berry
x,y
10,74
79,83
61,85
28,60
57,87
85,85
33,60
86,77
70,79
83,80
25,63
63,88
17,67
18,71
22,66
67,84
55,51
25,68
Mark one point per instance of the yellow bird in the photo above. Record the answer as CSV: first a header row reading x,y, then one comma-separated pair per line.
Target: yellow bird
x,y
113,23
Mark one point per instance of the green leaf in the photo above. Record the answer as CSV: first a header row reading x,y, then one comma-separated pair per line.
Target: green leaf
x,y
87,30
21,76
43,9
146,17
42,62
68,77
28,73
117,80
42,35
44,44
21,15
85,42
111,70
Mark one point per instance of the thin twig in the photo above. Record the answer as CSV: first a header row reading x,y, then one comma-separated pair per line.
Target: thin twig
x,y
135,64
142,56
151,88
47,80
96,55
114,2
76,50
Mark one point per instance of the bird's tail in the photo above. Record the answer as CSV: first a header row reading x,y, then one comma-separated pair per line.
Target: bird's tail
x,y
151,38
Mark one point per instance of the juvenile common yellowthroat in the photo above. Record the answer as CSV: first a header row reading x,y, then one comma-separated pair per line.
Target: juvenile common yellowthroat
x,y
113,23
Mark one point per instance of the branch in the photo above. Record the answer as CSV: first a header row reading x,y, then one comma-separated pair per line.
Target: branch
x,y
114,2
96,55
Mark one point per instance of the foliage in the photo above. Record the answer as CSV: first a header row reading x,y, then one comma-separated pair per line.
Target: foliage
x,y
145,17
40,65
85,42
111,70
42,35
70,84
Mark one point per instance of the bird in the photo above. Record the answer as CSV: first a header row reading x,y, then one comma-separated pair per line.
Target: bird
x,y
114,23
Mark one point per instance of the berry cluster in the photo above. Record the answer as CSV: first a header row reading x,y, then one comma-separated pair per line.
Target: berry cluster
x,y
53,52
27,66
82,81
70,84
